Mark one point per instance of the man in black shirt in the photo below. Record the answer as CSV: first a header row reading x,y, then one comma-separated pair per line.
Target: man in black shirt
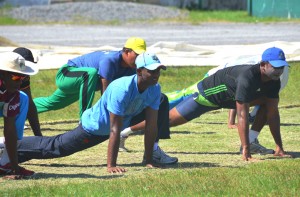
x,y
240,87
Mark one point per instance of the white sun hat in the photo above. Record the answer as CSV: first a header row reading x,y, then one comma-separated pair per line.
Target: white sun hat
x,y
13,62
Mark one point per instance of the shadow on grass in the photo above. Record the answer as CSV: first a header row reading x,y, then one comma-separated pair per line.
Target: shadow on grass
x,y
79,175
294,154
196,133
56,165
55,129
205,153
193,165
224,123
177,165
211,123
289,124
177,132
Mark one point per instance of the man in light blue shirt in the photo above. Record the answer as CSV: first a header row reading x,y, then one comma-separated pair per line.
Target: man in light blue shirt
x,y
124,98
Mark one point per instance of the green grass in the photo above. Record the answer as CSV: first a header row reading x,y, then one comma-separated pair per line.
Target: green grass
x,y
10,21
197,17
193,17
209,163
7,20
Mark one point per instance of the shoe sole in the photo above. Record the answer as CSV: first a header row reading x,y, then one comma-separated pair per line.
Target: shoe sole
x,y
170,163
269,153
123,150
8,172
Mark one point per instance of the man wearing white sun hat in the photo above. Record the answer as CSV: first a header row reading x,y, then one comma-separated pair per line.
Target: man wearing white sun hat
x,y
13,108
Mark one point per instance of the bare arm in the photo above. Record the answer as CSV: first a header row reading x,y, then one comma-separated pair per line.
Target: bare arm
x,y
242,110
231,119
104,83
273,118
113,144
10,135
32,115
150,134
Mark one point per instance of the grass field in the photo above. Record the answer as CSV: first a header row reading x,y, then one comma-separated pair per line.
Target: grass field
x,y
209,163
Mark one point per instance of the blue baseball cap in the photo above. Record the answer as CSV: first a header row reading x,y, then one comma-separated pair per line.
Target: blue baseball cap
x,y
149,61
275,56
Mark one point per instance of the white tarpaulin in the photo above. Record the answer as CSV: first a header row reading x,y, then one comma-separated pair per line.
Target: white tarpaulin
x,y
170,53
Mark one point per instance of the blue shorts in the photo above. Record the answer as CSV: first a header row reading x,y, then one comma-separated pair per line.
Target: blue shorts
x,y
189,109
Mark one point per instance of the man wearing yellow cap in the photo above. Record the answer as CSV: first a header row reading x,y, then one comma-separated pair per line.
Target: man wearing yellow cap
x,y
83,75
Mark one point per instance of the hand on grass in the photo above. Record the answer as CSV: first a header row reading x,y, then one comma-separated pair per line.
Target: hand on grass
x,y
152,165
281,153
14,174
247,156
232,126
115,170
13,177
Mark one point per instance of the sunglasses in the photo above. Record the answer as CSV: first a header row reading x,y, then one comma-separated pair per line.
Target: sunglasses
x,y
15,77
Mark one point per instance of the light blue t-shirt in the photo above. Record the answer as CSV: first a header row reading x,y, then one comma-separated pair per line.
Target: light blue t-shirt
x,y
121,98
108,64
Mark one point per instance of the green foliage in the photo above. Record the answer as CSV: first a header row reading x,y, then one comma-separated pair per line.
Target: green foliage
x,y
6,20
10,21
200,16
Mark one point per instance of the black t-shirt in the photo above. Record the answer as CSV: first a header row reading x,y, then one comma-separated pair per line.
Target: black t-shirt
x,y
238,83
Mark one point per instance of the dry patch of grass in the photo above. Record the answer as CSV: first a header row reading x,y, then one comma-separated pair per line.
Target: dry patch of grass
x,y
6,42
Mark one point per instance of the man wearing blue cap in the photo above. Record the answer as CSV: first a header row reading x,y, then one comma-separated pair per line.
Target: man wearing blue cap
x,y
124,98
240,87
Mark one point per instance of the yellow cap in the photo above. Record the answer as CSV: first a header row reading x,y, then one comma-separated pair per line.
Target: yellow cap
x,y
138,45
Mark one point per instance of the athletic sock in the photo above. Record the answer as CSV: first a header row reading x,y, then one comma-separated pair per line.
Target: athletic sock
x,y
2,142
4,159
155,146
126,132
254,111
252,135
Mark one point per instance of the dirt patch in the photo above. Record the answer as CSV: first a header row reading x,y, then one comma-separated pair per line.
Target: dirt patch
x,y
4,42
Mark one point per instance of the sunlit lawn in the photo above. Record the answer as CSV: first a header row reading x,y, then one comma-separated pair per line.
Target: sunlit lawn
x,y
209,162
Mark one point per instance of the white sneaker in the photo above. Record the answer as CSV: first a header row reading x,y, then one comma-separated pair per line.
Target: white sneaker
x,y
256,148
160,157
2,146
122,147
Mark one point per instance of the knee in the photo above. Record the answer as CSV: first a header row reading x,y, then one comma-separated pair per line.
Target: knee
x,y
175,118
